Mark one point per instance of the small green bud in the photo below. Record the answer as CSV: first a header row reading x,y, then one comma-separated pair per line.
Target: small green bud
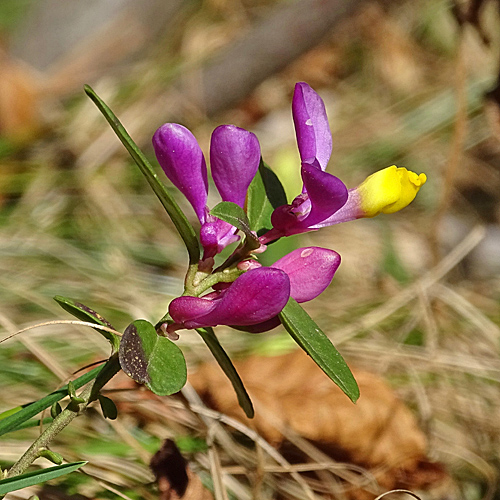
x,y
52,456
55,409
72,394
71,389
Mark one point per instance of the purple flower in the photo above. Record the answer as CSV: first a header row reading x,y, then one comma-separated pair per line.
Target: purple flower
x,y
310,271
325,200
254,300
183,162
234,158
254,297
322,193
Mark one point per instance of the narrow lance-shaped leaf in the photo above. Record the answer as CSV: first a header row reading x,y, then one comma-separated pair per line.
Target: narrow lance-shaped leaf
x,y
152,360
85,313
36,477
264,195
180,221
35,423
314,342
234,215
208,335
15,421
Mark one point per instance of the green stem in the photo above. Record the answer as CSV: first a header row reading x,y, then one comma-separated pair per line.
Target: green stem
x,y
90,393
226,276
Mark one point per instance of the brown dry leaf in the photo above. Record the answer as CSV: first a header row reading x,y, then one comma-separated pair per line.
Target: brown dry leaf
x,y
175,479
290,390
19,100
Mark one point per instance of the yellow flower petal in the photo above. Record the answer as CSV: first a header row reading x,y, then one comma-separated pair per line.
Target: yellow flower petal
x,y
389,190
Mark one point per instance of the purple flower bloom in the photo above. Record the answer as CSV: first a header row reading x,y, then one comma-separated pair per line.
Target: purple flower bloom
x,y
322,193
254,297
183,162
234,157
253,301
310,271
325,200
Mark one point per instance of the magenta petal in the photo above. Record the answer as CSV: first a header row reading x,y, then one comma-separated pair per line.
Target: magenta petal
x,y
314,138
326,193
234,160
182,160
310,270
184,309
215,235
256,296
265,326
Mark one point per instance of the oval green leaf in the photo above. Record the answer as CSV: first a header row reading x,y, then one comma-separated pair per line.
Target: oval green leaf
x,y
152,360
234,215
312,340
108,407
36,477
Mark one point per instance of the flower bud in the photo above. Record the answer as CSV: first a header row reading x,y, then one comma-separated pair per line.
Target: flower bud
x,y
388,190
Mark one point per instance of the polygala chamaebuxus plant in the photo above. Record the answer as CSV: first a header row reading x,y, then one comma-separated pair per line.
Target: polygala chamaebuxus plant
x,y
240,292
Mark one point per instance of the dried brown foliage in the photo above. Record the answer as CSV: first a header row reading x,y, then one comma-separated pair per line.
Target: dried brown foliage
x,y
290,392
19,106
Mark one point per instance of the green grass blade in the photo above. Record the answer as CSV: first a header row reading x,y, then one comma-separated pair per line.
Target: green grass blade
x,y
37,477
180,221
208,335
15,421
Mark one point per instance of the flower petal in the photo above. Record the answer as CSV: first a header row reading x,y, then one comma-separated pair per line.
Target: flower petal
x,y
389,190
314,138
234,160
386,191
182,160
326,193
323,195
256,296
310,270
215,235
186,309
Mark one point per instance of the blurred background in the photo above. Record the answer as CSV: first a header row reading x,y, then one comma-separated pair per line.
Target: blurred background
x,y
414,307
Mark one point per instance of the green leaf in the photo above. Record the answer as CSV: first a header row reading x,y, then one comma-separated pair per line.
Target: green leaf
x,y
152,360
52,456
55,409
15,421
34,423
309,337
108,407
264,195
85,313
36,477
180,221
208,335
234,215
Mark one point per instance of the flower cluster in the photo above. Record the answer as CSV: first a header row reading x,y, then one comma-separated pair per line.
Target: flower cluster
x,y
254,295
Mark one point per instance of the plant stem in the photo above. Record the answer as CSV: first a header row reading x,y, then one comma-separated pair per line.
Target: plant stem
x,y
90,393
